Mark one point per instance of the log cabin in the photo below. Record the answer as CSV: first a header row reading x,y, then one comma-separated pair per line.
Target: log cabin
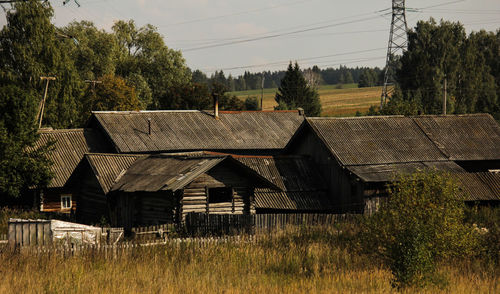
x,y
163,188
358,156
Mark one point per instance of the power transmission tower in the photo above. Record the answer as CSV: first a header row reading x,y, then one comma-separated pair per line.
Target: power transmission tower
x,y
398,42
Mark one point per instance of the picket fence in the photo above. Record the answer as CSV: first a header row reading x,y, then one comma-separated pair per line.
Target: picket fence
x,y
201,224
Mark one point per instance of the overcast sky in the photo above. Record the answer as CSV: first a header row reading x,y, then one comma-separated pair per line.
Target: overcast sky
x,y
219,34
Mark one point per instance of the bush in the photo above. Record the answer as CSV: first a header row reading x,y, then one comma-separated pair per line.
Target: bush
x,y
421,223
252,103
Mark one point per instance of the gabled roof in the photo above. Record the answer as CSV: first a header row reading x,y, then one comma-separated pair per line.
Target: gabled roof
x,y
302,186
69,147
479,186
107,167
196,130
463,137
164,172
397,139
387,172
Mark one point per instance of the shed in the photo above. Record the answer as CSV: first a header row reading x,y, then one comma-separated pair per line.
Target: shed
x,y
359,155
302,187
163,188
69,147
92,180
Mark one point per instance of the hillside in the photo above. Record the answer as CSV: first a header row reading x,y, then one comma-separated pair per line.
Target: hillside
x,y
335,102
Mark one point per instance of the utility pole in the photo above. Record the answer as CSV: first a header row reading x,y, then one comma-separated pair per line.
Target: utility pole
x,y
42,103
262,94
93,82
398,42
444,97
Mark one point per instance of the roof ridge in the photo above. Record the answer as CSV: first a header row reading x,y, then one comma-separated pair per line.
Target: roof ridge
x,y
115,154
64,130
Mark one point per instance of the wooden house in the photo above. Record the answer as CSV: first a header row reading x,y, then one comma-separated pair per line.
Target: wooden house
x,y
302,188
91,182
164,188
359,155
167,131
69,147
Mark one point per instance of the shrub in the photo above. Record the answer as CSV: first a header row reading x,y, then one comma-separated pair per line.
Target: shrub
x,y
421,223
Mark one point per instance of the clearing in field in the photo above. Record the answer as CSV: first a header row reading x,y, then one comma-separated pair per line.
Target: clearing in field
x,y
335,102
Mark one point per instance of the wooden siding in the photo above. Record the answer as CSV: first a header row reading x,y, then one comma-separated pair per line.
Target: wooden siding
x,y
142,208
195,194
51,201
345,193
92,202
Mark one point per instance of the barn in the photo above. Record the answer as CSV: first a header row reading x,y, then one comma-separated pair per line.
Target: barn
x,y
163,188
359,155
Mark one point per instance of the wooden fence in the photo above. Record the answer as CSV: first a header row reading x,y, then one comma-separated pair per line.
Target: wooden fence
x,y
153,232
201,224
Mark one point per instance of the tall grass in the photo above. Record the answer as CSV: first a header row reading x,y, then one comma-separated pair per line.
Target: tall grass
x,y
296,261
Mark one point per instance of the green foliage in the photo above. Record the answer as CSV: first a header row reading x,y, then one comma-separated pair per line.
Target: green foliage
x,y
189,96
112,93
294,92
368,78
143,51
468,63
252,103
30,48
21,165
421,223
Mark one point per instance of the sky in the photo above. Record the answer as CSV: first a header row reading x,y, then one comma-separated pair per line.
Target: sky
x,y
237,36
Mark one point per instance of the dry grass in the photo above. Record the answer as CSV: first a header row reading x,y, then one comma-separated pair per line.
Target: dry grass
x,y
289,263
335,102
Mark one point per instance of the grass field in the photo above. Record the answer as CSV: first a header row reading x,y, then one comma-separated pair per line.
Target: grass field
x,y
335,102
304,261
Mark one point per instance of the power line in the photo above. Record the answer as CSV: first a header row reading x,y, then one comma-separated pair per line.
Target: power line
x,y
277,35
302,59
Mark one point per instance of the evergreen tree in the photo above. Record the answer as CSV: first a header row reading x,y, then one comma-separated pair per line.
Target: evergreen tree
x,y
294,92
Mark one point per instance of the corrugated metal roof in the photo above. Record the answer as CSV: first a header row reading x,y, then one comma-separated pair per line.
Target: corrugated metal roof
x,y
69,148
161,173
303,187
398,139
479,186
198,130
375,140
292,200
463,137
107,167
387,172
290,173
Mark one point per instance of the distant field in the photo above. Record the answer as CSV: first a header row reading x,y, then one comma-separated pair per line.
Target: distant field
x,y
335,102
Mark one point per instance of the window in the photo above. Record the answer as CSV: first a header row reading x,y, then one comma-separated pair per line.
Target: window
x,y
65,201
218,195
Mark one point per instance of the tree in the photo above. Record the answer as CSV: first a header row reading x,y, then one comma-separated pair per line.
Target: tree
x,y
190,96
31,47
143,52
439,52
421,223
294,92
252,103
112,93
21,165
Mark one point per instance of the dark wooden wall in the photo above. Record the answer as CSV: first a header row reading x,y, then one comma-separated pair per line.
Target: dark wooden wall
x,y
345,192
92,202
